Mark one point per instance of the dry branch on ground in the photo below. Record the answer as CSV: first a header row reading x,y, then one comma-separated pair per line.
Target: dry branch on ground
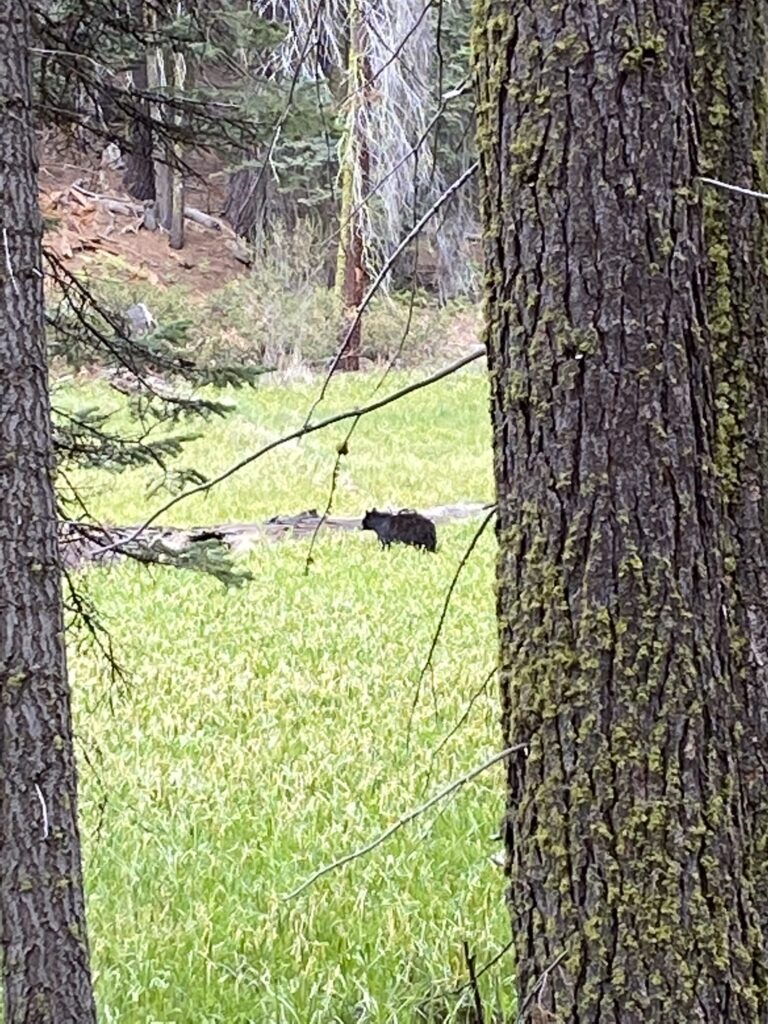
x,y
82,543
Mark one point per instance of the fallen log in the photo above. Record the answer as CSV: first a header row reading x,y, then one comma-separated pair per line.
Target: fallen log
x,y
128,208
82,543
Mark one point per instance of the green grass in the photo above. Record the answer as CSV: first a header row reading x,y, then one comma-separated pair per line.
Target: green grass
x,y
433,447
263,735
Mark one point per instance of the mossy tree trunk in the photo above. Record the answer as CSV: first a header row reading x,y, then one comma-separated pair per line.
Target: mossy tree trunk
x,y
633,889
732,85
351,269
42,916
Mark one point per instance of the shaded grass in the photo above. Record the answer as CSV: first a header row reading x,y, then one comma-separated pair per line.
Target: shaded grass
x,y
264,735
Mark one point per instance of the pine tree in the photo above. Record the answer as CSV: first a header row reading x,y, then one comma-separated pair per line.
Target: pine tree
x,y
46,972
634,885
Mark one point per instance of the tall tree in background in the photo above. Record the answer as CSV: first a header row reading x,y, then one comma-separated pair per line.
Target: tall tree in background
x,y
385,65
166,77
355,166
42,915
139,175
630,849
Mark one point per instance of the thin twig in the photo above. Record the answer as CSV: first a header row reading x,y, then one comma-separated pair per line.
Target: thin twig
x,y
278,125
8,264
301,432
405,819
84,613
460,90
69,283
462,719
377,281
486,967
340,452
734,188
472,983
69,54
343,448
441,621
539,985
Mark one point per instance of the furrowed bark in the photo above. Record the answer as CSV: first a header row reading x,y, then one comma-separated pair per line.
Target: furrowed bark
x,y
633,884
731,82
42,916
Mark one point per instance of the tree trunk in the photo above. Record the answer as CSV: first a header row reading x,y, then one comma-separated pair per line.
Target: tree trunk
x,y
158,81
42,916
632,889
245,205
733,41
139,177
351,277
166,74
178,190
351,271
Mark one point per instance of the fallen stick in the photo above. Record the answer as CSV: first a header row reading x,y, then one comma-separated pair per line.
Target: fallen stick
x,y
127,208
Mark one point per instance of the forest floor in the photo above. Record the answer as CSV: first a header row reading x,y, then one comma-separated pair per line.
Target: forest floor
x,y
82,229
279,310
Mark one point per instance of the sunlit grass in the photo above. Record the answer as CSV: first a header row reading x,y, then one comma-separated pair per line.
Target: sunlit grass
x,y
431,447
264,734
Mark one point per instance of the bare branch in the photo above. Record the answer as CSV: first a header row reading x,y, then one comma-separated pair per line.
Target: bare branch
x,y
734,188
427,664
461,720
343,448
279,123
542,980
470,962
341,451
448,790
376,283
486,966
461,90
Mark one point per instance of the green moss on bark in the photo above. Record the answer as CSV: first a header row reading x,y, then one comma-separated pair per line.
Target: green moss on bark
x,y
615,423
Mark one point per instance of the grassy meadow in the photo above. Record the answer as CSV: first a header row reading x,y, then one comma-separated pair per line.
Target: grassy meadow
x,y
262,734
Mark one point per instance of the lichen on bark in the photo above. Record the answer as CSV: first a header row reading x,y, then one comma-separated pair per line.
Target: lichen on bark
x,y
627,850
732,91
